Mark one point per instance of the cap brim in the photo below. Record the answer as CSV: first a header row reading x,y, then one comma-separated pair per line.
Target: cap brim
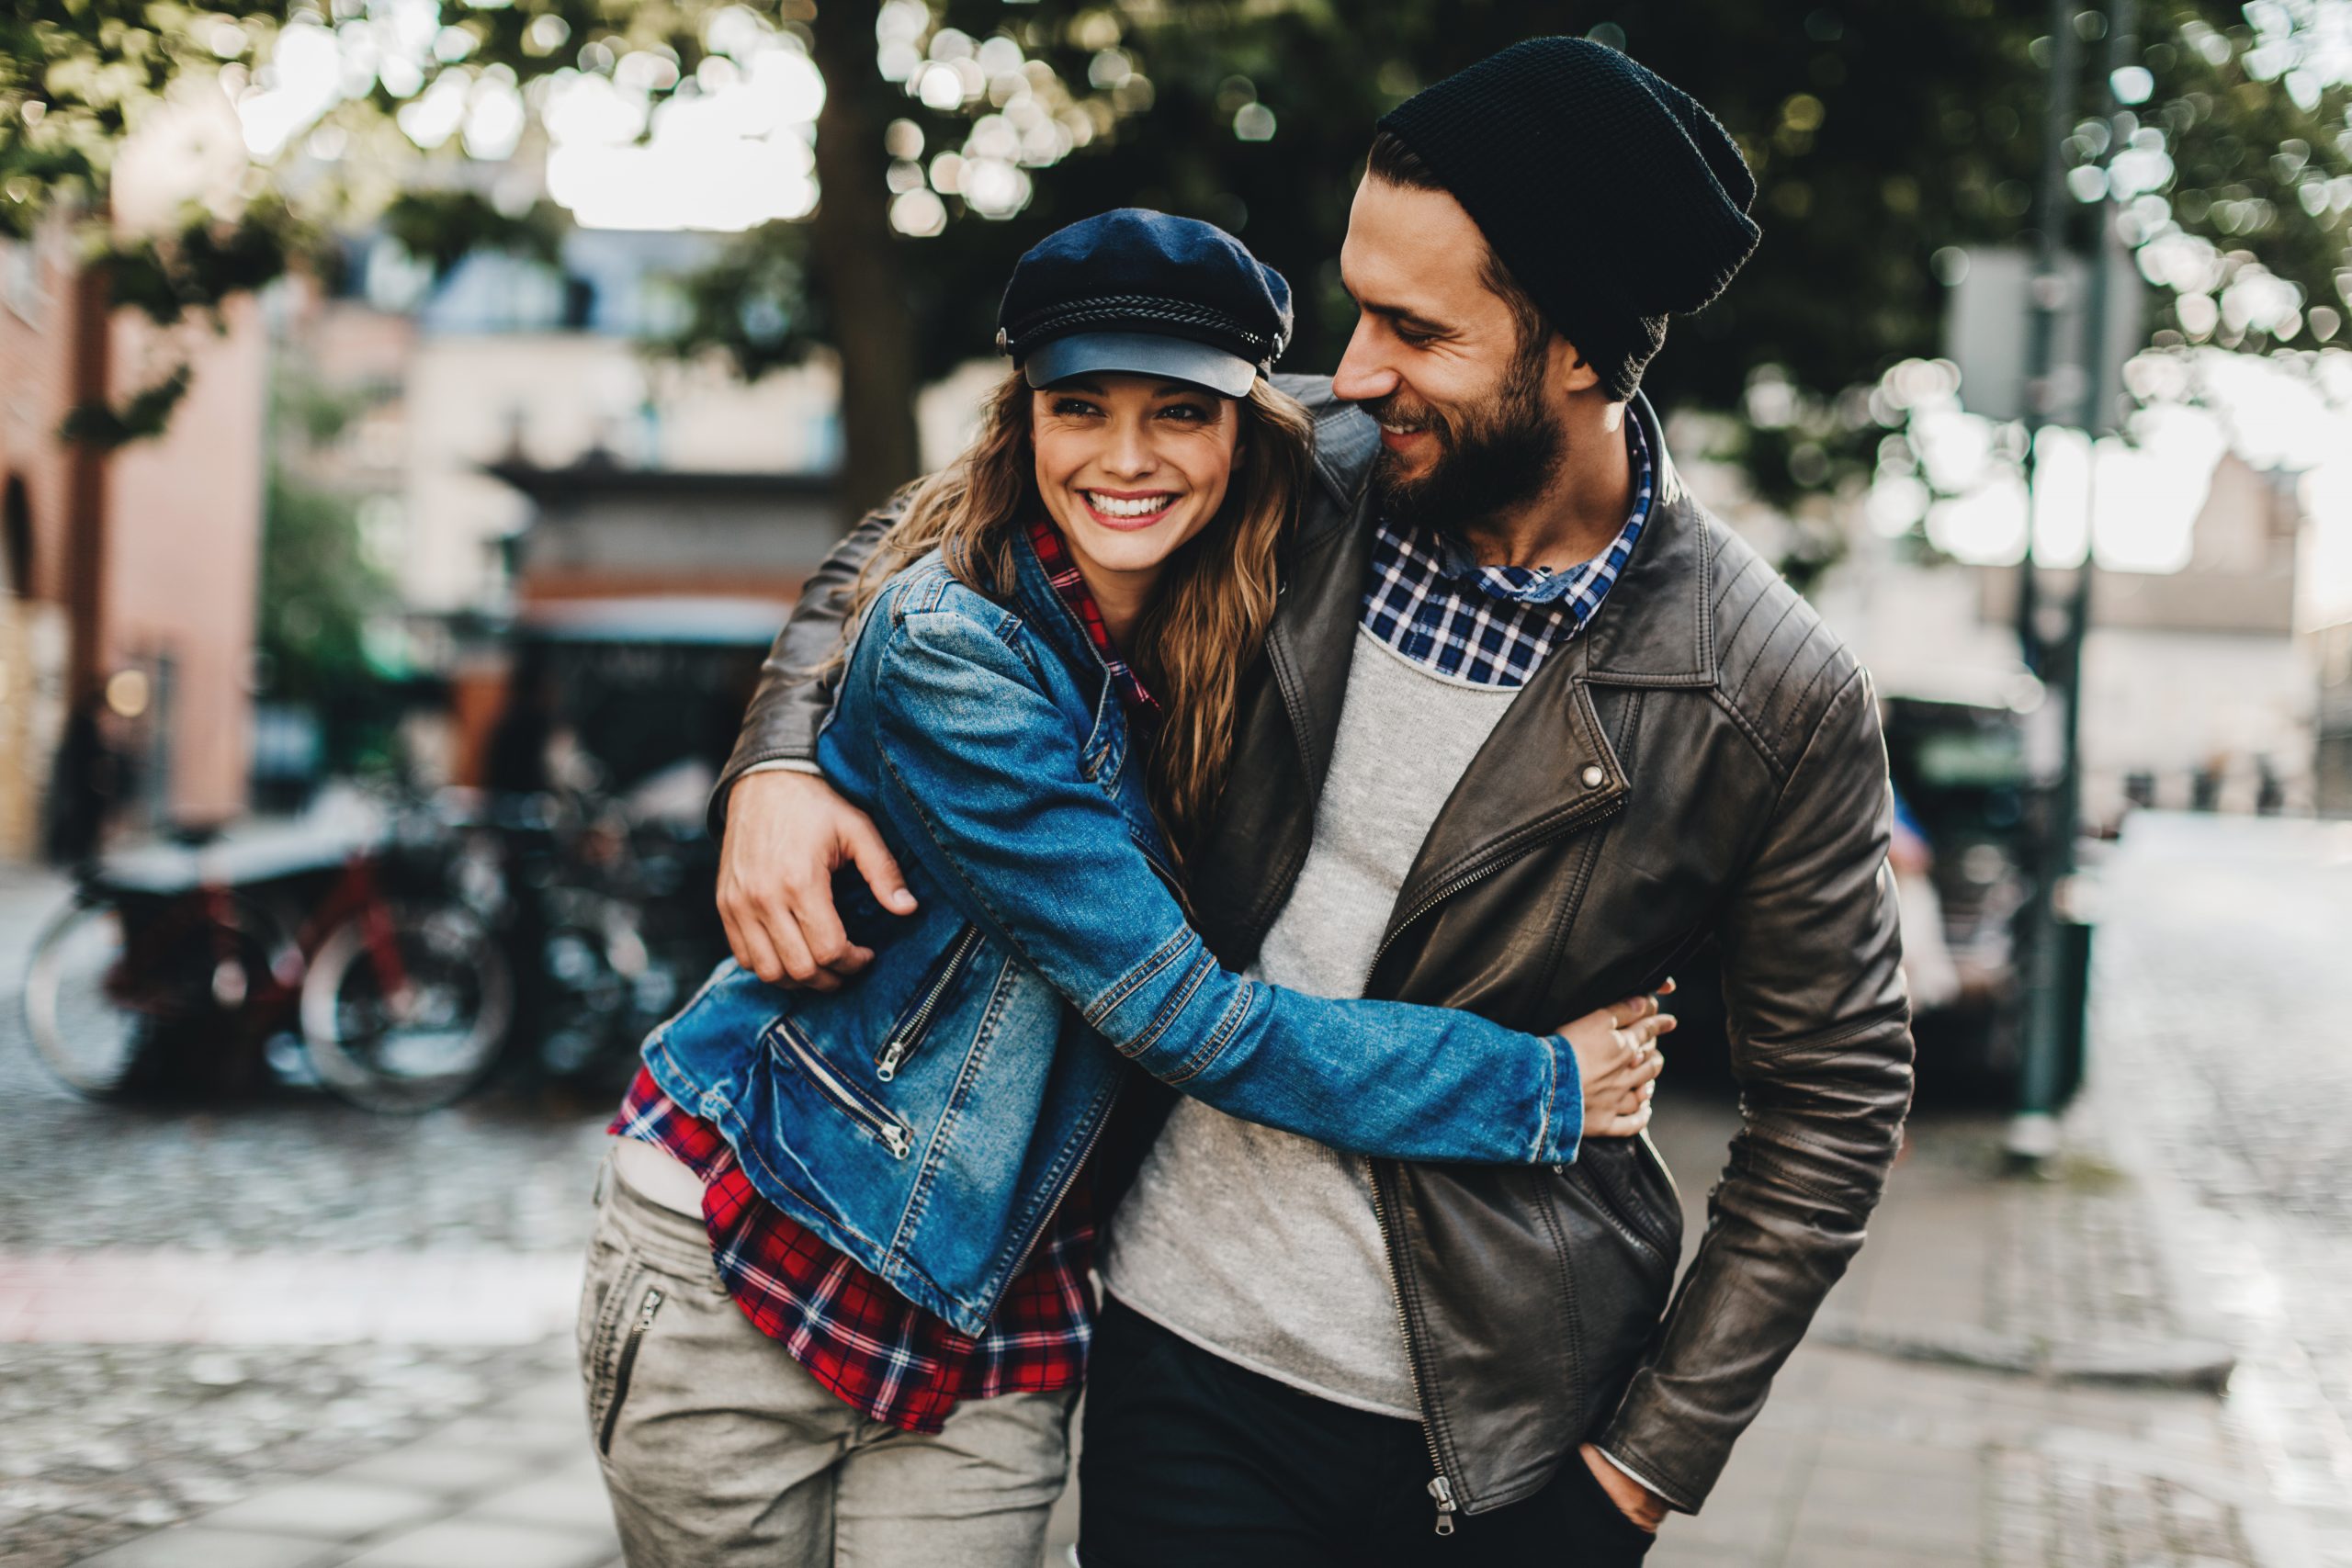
x,y
1139,354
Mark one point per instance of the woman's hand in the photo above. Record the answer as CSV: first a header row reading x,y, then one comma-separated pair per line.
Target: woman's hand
x,y
1618,1061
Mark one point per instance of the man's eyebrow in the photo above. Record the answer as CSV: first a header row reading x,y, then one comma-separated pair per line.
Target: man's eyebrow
x,y
1401,316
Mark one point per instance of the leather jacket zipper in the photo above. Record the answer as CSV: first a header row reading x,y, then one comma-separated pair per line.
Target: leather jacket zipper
x,y
637,1332
1440,1487
1471,879
889,1131
1612,1199
911,1030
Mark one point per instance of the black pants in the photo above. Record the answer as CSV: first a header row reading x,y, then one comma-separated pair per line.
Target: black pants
x,y
1190,1461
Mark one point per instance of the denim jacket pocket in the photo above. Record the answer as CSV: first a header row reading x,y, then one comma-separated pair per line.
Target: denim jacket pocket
x,y
786,1041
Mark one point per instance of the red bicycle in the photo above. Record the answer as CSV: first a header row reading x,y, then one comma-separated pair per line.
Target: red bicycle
x,y
169,971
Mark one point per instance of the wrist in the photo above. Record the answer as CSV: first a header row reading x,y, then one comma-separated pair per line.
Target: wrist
x,y
1633,1495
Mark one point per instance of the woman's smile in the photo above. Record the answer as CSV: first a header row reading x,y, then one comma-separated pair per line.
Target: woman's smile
x,y
1128,509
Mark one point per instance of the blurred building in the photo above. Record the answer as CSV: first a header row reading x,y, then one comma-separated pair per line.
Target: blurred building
x,y
2199,690
535,472
2332,786
126,579
518,364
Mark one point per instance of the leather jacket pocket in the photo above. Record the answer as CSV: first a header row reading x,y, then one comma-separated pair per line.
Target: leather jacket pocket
x,y
1635,1191
1622,1247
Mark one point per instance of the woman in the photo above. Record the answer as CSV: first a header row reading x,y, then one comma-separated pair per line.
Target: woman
x,y
890,1179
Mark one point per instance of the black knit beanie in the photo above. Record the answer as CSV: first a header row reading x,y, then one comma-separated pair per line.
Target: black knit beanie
x,y
1613,196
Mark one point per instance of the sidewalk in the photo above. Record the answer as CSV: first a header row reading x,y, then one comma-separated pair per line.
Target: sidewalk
x,y
512,1487
2007,1377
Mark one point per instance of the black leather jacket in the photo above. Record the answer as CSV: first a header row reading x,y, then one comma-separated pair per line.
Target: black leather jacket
x,y
1704,759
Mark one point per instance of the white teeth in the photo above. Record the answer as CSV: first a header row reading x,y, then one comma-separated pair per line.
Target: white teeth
x,y
1142,506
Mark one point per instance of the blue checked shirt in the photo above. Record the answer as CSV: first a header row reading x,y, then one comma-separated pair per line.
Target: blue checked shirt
x,y
1491,626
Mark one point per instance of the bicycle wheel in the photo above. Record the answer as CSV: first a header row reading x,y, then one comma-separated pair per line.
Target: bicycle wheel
x,y
103,994
405,1009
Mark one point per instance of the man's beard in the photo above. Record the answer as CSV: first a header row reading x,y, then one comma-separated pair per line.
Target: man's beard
x,y
1492,456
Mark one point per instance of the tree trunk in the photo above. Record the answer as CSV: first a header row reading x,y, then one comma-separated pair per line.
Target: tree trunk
x,y
859,262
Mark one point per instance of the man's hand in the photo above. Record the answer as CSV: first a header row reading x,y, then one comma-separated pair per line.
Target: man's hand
x,y
786,834
1635,1501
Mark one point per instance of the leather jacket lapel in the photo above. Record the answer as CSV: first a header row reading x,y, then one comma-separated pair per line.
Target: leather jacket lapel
x,y
1548,769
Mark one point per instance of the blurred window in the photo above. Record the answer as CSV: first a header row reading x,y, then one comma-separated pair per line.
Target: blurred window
x,y
17,540
21,281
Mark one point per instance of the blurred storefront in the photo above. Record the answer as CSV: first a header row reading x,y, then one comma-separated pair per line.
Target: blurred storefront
x,y
126,579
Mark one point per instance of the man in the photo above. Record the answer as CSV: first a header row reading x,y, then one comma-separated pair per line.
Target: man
x,y
1528,727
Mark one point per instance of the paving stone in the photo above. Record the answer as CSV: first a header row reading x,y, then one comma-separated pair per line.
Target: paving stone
x,y
196,1546
328,1509
486,1543
447,1469
575,1499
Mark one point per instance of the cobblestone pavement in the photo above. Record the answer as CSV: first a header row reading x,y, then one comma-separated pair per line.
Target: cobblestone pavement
x,y
199,1305
2226,1023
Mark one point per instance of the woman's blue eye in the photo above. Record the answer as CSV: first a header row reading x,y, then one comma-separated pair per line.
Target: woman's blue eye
x,y
1186,412
1072,406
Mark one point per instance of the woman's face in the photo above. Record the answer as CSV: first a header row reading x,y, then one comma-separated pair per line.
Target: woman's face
x,y
1131,466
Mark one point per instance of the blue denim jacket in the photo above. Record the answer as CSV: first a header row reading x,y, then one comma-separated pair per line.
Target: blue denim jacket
x,y
928,1119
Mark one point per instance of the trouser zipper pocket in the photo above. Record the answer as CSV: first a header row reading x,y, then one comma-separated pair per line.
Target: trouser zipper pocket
x,y
627,1365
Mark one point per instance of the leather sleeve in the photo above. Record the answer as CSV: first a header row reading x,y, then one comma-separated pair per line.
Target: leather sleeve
x,y
1821,1045
792,699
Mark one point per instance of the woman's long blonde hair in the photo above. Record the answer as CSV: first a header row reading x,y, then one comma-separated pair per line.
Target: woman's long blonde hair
x,y
1209,614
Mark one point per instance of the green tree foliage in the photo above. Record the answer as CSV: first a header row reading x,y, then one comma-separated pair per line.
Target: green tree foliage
x,y
1881,131
321,585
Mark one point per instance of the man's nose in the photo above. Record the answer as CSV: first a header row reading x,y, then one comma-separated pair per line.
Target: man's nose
x,y
1363,376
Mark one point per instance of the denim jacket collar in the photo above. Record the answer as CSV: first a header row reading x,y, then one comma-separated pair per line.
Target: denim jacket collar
x,y
1042,608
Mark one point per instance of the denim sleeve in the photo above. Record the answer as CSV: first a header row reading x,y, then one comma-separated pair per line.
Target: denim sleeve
x,y
982,781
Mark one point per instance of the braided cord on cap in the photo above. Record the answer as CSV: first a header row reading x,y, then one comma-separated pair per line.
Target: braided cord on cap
x,y
1126,311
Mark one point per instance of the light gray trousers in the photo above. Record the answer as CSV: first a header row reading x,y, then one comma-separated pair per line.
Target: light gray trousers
x,y
721,1451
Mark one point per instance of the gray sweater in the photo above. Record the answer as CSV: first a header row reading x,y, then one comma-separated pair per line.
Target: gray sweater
x,y
1260,1246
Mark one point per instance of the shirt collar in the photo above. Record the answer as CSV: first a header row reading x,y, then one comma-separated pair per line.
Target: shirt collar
x,y
1533,585
1061,571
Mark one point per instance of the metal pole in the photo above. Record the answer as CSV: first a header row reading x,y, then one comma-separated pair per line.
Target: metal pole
x,y
2049,987
2047,296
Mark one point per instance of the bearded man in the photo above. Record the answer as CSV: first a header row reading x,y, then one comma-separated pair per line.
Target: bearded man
x,y
1529,726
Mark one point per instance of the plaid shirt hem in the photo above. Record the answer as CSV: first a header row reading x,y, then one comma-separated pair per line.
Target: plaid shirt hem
x,y
857,1337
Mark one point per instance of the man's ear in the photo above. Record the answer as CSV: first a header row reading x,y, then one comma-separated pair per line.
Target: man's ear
x,y
1570,371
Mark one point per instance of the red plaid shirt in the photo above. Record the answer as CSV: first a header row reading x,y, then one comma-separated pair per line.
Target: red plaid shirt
x,y
859,1337
856,1336
1061,569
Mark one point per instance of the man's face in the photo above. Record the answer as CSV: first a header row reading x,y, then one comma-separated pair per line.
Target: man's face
x,y
1467,424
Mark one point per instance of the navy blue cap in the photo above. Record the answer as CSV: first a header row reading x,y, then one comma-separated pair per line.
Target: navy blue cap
x,y
1144,292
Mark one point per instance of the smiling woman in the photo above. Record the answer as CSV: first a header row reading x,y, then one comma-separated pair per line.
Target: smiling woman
x,y
1163,500
1130,471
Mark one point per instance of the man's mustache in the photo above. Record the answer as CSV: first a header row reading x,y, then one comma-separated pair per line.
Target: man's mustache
x,y
1394,410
